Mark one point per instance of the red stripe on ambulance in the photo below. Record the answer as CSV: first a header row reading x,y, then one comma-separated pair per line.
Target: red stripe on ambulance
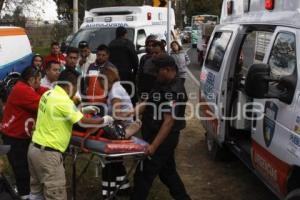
x,y
274,170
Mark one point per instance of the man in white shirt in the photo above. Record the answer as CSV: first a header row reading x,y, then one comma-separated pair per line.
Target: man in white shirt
x,y
86,57
52,73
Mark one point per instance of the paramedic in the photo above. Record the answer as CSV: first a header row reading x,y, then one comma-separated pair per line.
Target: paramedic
x,y
18,122
161,126
56,116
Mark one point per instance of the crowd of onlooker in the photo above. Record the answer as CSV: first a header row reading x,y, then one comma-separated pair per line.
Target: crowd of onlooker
x,y
37,142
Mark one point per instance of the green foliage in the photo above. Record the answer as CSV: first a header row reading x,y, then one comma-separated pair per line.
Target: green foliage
x,y
196,7
43,50
65,7
60,31
17,18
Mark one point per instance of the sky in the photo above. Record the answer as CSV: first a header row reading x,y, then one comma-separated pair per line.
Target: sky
x,y
44,9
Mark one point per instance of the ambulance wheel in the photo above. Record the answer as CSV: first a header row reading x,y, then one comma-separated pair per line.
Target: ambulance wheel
x,y
293,195
213,148
215,151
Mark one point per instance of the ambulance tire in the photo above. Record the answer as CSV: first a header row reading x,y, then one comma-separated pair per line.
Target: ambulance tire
x,y
215,151
293,195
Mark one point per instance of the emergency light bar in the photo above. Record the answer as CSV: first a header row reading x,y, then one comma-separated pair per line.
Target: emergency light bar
x,y
229,7
246,6
108,19
269,4
89,19
129,18
149,16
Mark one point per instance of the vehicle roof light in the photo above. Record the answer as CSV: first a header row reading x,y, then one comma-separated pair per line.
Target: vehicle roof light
x,y
149,16
269,4
129,18
246,5
108,19
89,19
229,7
160,16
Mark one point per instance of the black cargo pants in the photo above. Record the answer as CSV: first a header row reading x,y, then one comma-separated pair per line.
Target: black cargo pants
x,y
162,163
17,157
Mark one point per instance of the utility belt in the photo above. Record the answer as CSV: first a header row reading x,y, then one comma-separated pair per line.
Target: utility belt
x,y
44,148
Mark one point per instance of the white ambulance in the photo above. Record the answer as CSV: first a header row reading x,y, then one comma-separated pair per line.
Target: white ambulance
x,y
249,94
15,50
100,25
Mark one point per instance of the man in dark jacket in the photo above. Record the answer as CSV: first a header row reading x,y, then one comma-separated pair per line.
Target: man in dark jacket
x,y
124,57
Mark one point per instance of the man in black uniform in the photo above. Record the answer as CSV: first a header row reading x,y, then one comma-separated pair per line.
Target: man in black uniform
x,y
161,127
124,57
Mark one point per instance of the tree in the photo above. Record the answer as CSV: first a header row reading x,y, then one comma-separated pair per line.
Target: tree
x,y
65,10
1,5
196,7
17,18
11,5
25,8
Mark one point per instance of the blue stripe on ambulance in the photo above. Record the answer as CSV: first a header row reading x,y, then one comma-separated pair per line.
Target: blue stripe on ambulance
x,y
18,66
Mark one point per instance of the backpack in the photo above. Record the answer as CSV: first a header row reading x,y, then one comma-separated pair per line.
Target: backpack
x,y
7,84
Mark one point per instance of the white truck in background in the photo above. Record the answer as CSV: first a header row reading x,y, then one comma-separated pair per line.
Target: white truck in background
x,y
15,50
100,25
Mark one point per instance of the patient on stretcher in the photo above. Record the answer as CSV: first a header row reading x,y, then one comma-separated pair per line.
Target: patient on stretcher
x,y
118,102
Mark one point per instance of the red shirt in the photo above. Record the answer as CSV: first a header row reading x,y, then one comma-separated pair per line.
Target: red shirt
x,y
59,58
20,110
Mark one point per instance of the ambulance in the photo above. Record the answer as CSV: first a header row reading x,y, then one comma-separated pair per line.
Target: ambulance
x,y
250,90
100,25
15,50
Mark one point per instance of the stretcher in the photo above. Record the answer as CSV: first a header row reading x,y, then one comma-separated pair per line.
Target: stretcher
x,y
100,144
108,151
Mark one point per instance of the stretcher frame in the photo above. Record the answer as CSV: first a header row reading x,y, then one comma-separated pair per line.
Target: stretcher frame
x,y
104,159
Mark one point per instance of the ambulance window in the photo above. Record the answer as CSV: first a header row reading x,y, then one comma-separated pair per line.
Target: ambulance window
x,y
97,36
141,37
217,50
253,50
283,55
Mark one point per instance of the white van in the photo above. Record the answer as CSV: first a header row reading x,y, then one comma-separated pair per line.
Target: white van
x,y
249,94
15,50
100,25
